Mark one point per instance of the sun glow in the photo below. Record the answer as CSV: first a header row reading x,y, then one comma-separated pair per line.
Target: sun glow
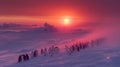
x,y
66,21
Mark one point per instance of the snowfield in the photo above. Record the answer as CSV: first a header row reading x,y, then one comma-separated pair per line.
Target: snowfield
x,y
106,54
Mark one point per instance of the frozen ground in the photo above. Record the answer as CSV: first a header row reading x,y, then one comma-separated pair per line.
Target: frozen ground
x,y
106,54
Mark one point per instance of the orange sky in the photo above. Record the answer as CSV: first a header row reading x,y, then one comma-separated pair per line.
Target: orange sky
x,y
54,11
40,19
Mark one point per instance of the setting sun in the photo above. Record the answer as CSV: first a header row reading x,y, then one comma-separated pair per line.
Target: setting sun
x,y
66,21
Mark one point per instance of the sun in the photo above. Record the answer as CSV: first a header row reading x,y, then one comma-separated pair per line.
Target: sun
x,y
66,21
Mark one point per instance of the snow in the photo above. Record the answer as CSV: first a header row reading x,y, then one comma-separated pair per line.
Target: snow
x,y
106,54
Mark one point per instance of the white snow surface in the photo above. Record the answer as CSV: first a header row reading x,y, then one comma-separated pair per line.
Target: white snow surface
x,y
107,54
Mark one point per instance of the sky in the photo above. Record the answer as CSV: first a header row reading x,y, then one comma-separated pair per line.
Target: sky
x,y
54,10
